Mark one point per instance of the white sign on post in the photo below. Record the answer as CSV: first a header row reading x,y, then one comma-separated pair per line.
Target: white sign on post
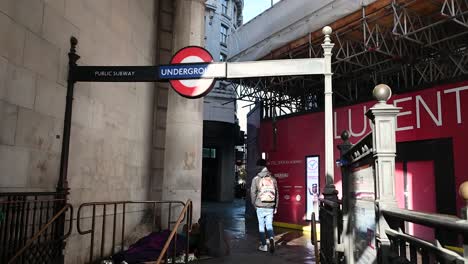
x,y
313,187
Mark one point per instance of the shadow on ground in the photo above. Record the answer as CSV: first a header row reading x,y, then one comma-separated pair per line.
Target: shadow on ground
x,y
292,246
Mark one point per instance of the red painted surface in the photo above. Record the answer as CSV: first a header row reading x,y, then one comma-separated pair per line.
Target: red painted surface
x,y
399,185
440,112
420,183
421,196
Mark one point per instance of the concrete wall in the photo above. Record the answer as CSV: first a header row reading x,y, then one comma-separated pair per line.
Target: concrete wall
x,y
111,153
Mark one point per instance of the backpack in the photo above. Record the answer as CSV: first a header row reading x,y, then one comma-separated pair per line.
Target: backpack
x,y
266,187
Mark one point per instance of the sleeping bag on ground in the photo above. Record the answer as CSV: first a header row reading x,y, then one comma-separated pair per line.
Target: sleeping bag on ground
x,y
148,248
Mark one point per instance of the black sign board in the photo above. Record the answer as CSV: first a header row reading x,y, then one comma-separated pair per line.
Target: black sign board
x,y
115,74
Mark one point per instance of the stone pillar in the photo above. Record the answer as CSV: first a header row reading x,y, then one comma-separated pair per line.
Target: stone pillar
x,y
383,118
184,126
329,162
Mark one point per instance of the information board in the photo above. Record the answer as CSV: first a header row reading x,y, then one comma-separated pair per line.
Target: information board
x,y
363,213
313,188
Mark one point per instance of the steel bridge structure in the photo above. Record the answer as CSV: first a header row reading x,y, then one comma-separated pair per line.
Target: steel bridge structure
x,y
406,44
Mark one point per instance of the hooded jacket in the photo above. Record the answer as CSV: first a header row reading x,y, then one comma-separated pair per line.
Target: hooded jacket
x,y
254,189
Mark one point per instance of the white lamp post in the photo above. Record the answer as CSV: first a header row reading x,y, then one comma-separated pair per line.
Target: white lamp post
x,y
329,163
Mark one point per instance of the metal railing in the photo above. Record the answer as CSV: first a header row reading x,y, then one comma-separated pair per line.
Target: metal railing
x,y
22,216
331,225
117,212
172,239
37,251
373,222
313,238
405,247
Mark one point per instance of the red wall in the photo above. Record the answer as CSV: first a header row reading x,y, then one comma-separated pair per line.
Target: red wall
x,y
303,135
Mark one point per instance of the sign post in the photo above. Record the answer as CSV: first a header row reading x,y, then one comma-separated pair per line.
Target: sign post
x,y
192,74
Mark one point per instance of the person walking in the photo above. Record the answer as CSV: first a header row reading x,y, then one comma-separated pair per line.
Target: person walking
x,y
264,197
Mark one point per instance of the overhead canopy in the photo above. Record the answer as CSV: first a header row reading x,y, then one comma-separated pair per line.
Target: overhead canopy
x,y
286,21
407,44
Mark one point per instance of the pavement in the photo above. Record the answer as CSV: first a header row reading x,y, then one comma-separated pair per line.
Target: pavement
x,y
292,246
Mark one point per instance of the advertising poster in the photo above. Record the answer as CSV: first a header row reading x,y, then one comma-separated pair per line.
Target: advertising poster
x,y
364,228
363,209
362,180
291,187
313,188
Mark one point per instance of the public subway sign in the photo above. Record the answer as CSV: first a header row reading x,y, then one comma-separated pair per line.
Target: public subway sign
x,y
192,72
114,73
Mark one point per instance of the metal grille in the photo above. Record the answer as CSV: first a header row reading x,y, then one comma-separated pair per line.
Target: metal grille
x,y
22,216
107,223
407,44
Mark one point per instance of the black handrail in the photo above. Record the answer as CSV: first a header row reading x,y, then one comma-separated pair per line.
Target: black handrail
x,y
331,226
429,252
432,220
115,206
400,240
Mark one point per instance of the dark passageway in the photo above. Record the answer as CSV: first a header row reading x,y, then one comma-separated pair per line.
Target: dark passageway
x,y
292,246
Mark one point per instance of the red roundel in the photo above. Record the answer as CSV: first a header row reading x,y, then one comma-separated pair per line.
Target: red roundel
x,y
193,88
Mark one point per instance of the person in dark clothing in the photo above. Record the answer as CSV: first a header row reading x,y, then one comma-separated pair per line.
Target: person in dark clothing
x,y
264,197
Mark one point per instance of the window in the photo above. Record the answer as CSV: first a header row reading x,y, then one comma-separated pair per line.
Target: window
x,y
224,32
225,7
222,57
209,153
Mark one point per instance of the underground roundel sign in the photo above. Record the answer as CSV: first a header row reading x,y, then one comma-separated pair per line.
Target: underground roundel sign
x,y
193,85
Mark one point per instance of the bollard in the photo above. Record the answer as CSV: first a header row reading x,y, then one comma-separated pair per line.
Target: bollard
x,y
313,237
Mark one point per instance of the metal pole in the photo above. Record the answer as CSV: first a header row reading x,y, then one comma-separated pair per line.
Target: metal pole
x,y
62,185
346,236
329,168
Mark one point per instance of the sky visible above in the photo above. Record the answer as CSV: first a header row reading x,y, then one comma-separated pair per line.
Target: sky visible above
x,y
252,8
